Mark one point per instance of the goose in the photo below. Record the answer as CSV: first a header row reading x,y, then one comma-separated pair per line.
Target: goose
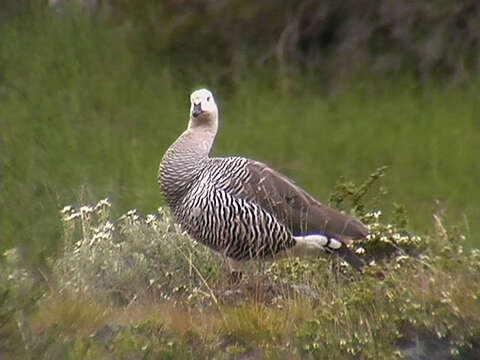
x,y
241,207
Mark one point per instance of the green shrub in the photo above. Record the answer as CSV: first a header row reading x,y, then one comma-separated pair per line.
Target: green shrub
x,y
131,258
138,286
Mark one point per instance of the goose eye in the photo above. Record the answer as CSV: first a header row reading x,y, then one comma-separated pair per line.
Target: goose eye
x,y
208,98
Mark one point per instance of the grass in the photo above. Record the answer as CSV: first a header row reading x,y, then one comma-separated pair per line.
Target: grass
x,y
85,115
138,287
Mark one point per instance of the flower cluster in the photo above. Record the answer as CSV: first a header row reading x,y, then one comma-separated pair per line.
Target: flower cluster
x,y
132,257
386,240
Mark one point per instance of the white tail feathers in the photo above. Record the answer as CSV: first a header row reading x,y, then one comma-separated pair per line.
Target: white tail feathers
x,y
311,245
315,242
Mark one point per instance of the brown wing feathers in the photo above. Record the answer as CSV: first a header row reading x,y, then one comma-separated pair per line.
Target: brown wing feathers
x,y
301,212
268,207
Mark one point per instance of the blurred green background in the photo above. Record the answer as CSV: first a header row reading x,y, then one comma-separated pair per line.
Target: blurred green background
x,y
93,92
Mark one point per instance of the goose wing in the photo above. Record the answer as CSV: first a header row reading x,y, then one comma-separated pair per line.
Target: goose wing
x,y
298,210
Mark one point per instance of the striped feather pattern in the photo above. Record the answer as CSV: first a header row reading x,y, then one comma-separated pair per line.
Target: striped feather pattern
x,y
211,213
241,207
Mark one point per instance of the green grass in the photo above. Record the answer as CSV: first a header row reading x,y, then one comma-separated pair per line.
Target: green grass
x,y
88,111
86,115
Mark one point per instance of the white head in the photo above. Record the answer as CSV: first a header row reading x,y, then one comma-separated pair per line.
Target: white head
x,y
203,110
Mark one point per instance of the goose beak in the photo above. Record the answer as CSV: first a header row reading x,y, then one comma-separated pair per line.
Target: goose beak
x,y
197,109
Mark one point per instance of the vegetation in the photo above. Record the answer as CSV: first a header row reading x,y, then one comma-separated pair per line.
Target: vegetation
x,y
90,100
137,287
85,116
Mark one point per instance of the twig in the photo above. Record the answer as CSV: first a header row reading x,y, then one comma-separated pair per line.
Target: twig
x,y
192,265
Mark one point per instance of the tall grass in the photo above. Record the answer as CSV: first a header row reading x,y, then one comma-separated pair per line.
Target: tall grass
x,y
85,115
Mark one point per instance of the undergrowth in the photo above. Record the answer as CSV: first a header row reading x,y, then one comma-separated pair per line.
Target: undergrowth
x,y
139,287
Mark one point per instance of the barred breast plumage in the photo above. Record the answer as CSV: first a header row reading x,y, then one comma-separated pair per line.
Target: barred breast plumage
x,y
241,207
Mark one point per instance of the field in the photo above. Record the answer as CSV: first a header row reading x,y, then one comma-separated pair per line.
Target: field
x,y
85,116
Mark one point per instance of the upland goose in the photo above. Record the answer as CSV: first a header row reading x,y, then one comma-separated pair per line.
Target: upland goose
x,y
241,207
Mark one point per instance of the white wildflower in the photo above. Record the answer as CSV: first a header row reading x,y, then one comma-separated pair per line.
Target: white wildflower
x,y
109,226
85,211
150,218
95,238
401,258
66,209
360,250
73,216
103,203
131,215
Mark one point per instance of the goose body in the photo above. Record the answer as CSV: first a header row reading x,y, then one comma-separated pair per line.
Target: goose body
x,y
241,207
